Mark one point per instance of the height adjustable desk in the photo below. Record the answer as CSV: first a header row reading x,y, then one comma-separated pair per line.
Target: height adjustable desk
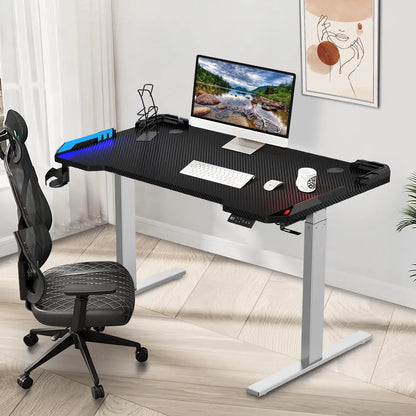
x,y
159,162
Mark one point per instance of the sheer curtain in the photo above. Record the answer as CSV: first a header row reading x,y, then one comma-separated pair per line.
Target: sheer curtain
x,y
58,72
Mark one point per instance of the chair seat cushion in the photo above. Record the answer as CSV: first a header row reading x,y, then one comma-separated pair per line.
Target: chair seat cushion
x,y
56,309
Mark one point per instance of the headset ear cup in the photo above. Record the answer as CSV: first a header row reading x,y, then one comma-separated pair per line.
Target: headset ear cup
x,y
16,152
13,149
15,128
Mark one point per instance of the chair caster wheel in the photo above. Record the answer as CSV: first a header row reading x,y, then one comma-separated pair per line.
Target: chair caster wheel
x,y
97,392
30,339
24,381
99,328
142,354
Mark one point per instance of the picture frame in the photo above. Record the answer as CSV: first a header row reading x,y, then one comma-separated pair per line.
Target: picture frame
x,y
340,50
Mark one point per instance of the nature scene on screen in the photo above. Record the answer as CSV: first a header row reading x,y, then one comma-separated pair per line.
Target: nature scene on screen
x,y
243,95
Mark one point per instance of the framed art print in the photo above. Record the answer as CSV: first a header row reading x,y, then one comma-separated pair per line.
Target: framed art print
x,y
340,49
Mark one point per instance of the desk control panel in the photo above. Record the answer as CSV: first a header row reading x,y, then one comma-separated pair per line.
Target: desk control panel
x,y
244,222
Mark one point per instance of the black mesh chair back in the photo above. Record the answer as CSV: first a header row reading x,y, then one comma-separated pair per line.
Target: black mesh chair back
x,y
33,208
34,214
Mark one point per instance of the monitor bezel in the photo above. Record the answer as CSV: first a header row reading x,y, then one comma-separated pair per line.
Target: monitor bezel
x,y
257,135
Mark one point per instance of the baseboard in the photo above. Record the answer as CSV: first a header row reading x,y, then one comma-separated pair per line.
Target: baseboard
x,y
362,285
7,246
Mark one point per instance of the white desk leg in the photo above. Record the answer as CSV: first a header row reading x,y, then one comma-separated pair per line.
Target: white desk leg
x,y
126,236
126,224
312,355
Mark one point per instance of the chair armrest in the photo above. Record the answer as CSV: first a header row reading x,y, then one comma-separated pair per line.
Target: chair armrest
x,y
82,291
89,289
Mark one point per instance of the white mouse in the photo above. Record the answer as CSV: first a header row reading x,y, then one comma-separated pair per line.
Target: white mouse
x,y
272,184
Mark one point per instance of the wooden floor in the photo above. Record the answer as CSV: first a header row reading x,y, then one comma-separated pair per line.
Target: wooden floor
x,y
223,326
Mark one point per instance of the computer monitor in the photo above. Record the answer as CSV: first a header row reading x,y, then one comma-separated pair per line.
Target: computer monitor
x,y
248,101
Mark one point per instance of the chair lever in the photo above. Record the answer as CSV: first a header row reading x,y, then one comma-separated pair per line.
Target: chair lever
x,y
59,334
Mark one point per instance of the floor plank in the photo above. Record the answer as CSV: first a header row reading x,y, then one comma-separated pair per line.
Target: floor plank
x,y
103,248
224,297
55,395
11,394
68,249
162,396
276,320
210,409
9,292
396,368
114,405
346,313
170,298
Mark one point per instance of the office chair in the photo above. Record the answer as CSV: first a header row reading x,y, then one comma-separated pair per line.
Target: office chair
x,y
73,298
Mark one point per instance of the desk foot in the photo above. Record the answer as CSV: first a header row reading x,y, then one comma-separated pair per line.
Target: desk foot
x,y
296,370
159,279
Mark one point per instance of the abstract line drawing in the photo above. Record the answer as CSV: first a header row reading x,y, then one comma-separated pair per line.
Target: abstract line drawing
x,y
340,50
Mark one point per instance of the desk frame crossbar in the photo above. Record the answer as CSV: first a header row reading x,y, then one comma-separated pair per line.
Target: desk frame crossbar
x,y
125,205
312,353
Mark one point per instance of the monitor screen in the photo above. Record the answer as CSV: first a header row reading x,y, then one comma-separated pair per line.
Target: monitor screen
x,y
244,96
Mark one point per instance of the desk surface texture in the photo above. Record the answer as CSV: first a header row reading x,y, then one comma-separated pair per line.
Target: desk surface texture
x,y
159,162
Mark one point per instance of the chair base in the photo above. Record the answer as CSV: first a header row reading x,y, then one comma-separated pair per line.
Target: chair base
x,y
65,337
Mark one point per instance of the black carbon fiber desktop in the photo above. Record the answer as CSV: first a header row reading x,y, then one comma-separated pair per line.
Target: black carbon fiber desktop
x,y
159,162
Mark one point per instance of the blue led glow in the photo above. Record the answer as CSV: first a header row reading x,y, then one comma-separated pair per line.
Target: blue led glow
x,y
100,136
101,146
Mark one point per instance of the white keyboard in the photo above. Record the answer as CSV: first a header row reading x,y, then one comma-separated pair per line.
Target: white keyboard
x,y
218,174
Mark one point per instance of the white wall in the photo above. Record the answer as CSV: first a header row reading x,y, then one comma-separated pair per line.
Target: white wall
x,y
156,41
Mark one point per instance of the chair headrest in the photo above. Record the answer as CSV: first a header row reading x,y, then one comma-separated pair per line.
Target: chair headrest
x,y
16,125
14,133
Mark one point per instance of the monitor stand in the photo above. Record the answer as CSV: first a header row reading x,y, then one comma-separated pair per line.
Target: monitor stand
x,y
238,144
